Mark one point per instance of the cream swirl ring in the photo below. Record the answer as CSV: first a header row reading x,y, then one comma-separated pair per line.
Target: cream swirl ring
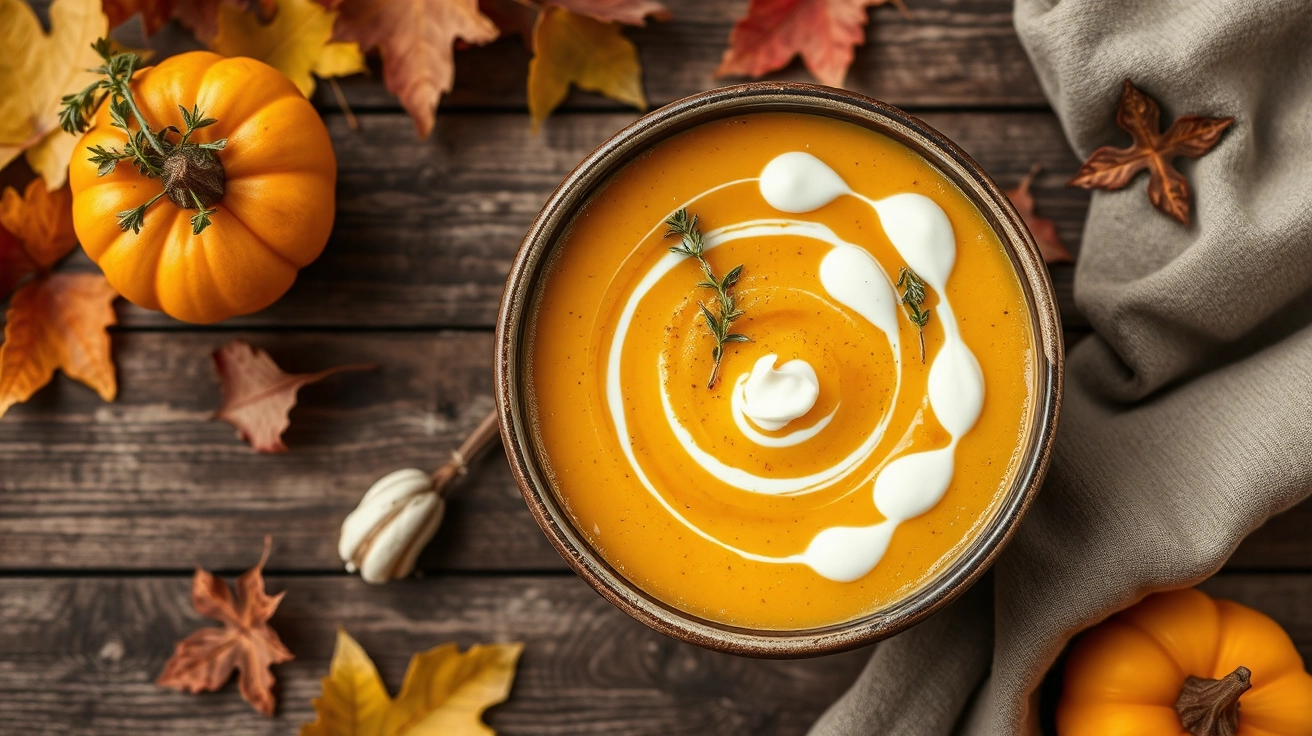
x,y
905,485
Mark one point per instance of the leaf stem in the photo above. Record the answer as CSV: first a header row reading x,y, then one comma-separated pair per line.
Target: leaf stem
x,y
693,244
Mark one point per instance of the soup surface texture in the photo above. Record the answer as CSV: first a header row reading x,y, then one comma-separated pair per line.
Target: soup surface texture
x,y
830,469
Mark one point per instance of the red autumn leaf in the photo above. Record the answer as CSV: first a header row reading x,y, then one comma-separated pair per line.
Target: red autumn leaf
x,y
1112,168
204,661
257,394
200,16
823,32
154,13
512,17
416,39
628,12
518,17
58,321
1043,229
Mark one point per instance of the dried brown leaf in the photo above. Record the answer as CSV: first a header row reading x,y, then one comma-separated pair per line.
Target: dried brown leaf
x,y
1112,168
416,39
823,32
257,394
204,661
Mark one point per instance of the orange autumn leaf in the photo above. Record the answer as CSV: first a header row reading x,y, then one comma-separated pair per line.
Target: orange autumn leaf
x,y
258,395
1043,229
204,661
416,39
57,321
576,49
40,223
1190,135
823,32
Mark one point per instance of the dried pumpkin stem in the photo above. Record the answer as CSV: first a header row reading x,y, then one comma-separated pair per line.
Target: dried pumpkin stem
x,y
1210,707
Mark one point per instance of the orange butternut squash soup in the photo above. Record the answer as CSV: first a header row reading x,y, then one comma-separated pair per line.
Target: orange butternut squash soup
x,y
867,347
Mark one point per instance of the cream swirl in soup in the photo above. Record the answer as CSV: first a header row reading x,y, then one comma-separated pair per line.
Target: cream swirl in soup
x,y
831,468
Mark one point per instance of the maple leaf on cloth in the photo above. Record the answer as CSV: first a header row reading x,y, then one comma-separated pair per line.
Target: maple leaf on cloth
x,y
823,32
1190,135
416,39
1043,229
444,693
576,49
297,42
36,230
258,395
204,661
38,70
58,321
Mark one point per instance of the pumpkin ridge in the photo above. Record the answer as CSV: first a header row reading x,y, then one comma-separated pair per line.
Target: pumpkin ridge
x,y
1157,643
233,214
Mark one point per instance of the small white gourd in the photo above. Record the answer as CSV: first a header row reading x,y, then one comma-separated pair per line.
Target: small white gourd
x,y
396,518
401,512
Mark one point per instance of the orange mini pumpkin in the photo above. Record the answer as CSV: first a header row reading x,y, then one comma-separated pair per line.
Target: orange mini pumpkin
x,y
235,223
1182,663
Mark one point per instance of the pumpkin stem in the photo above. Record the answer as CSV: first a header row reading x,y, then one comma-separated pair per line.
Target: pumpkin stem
x,y
1210,707
193,174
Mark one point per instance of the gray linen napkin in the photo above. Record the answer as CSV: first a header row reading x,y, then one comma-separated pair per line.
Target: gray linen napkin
x,y
1188,415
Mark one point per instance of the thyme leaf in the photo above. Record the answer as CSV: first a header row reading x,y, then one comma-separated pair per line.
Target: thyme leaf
x,y
913,296
693,245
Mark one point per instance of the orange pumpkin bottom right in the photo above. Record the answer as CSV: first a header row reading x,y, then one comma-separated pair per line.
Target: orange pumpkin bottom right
x,y
1182,663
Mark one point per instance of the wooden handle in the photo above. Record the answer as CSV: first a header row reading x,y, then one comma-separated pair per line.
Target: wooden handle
x,y
477,443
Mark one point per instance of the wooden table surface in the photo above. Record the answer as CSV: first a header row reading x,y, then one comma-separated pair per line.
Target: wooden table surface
x,y
105,509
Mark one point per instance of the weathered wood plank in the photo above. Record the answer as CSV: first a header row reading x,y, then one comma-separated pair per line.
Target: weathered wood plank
x,y
943,53
426,230
80,656
148,483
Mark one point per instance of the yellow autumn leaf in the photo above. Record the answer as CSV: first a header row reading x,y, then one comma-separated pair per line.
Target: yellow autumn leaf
x,y
36,72
297,43
595,56
444,692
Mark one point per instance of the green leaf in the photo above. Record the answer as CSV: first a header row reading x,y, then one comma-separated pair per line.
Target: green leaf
x,y
710,319
731,278
735,337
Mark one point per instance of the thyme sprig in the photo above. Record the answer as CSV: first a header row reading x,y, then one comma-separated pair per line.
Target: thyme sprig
x,y
191,173
912,297
693,245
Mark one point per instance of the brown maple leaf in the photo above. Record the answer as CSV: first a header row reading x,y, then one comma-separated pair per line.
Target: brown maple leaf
x,y
1043,229
823,32
58,321
1112,168
204,661
416,39
257,394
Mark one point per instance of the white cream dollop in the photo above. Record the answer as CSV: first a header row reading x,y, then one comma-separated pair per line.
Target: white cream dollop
x,y
799,182
773,397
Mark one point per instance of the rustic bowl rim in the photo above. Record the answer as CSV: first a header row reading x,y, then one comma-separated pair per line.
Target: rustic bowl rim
x,y
514,318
